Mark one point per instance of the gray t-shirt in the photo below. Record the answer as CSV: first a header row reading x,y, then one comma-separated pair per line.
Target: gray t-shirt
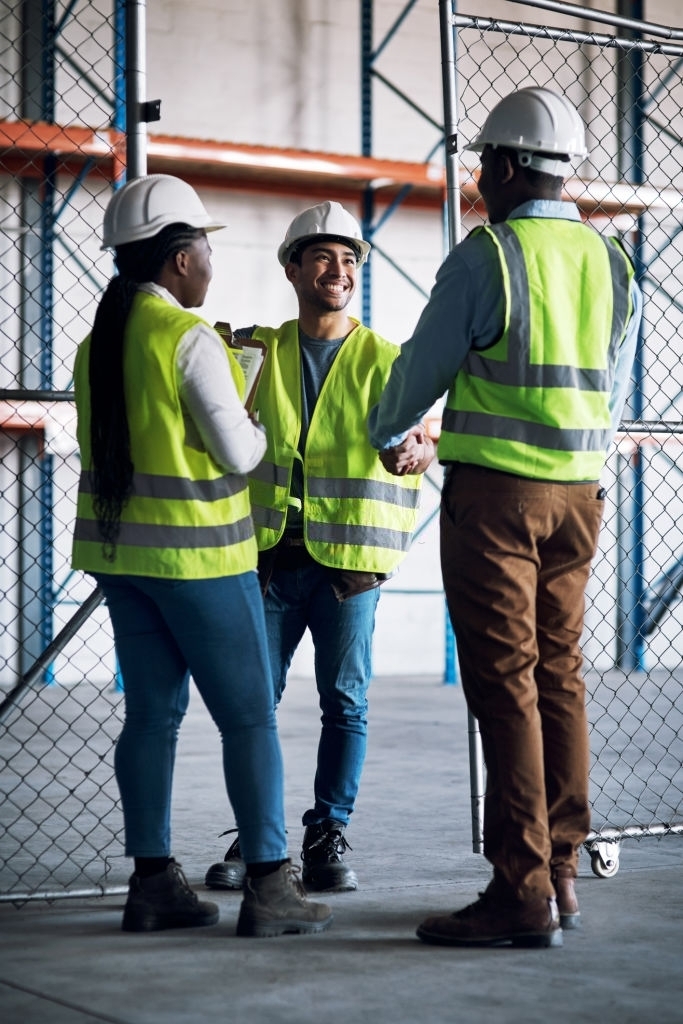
x,y
317,356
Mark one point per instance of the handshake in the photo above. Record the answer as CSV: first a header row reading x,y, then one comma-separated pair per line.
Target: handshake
x,y
413,455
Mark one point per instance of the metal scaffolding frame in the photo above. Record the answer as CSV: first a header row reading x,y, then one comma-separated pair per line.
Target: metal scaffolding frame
x,y
247,166
41,144
53,148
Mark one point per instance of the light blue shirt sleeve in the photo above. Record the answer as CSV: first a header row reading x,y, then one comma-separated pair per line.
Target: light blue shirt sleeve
x,y
465,308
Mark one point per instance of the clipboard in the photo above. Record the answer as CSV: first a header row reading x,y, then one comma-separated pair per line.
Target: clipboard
x,y
250,353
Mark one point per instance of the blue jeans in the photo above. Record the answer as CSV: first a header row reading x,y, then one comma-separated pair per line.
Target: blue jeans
x,y
213,630
342,638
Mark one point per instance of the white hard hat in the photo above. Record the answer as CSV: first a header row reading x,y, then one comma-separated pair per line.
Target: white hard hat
x,y
145,205
538,123
324,219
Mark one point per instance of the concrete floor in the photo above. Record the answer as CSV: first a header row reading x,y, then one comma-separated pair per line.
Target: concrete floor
x,y
69,963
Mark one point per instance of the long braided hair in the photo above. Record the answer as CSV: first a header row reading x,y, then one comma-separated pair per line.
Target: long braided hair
x,y
111,469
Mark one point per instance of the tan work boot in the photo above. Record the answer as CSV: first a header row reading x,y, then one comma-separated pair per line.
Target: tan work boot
x,y
567,903
276,904
531,923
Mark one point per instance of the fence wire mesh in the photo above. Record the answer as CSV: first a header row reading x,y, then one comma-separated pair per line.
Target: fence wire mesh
x,y
60,104
60,140
630,94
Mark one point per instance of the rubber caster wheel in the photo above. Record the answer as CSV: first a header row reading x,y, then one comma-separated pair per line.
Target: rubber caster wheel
x,y
604,859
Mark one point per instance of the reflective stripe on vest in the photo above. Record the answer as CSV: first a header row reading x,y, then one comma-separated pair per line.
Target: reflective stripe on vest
x,y
186,517
356,515
170,488
499,413
148,535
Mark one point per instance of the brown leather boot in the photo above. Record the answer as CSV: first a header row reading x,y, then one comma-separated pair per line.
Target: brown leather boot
x,y
489,922
567,903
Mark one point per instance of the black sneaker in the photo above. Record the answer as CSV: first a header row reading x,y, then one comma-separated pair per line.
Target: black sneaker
x,y
231,871
165,900
323,849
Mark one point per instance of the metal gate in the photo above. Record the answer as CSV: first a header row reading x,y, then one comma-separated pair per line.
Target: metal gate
x,y
629,90
60,71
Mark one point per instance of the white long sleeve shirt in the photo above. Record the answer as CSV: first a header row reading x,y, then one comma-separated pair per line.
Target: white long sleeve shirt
x,y
215,418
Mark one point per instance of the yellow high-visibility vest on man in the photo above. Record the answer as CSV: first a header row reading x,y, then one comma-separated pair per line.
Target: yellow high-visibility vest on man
x,y
331,522
537,402
354,514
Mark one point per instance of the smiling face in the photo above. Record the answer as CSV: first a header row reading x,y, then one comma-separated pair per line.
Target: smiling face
x,y
325,280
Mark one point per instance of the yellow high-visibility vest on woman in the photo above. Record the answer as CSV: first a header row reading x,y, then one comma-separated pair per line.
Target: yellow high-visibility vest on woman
x,y
357,516
521,406
187,518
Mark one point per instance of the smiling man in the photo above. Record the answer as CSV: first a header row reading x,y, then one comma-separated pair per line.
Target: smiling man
x,y
331,522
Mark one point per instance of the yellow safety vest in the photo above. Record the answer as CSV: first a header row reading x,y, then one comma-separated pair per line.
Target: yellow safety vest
x,y
536,402
187,518
356,515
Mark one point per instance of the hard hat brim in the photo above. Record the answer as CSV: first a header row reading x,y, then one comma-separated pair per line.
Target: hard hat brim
x,y
359,245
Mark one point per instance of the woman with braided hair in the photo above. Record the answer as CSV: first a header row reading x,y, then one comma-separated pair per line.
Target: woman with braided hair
x,y
164,526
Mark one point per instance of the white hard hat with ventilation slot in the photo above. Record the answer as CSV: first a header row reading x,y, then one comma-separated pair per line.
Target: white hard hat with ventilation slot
x,y
324,219
145,205
543,125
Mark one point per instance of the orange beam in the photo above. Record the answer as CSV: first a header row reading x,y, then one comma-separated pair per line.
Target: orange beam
x,y
23,143
223,164
263,169
289,171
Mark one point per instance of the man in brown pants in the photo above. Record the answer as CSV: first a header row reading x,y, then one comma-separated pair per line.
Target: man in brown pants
x,y
530,330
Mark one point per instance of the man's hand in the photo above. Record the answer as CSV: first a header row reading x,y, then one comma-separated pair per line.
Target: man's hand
x,y
413,455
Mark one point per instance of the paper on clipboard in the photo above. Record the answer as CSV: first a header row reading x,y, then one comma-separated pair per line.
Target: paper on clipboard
x,y
249,353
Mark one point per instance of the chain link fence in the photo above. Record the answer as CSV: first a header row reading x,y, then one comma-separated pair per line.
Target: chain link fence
x,y
60,146
61,77
629,91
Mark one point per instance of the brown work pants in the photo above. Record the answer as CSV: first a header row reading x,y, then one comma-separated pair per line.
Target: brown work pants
x,y
515,557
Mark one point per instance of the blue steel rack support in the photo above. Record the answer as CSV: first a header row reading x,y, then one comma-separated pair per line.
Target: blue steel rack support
x,y
40,34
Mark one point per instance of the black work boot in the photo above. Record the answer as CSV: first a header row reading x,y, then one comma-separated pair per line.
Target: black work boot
x,y
323,848
165,901
230,872
276,904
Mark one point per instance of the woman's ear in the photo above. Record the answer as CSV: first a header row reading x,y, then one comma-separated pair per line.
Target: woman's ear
x,y
180,262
